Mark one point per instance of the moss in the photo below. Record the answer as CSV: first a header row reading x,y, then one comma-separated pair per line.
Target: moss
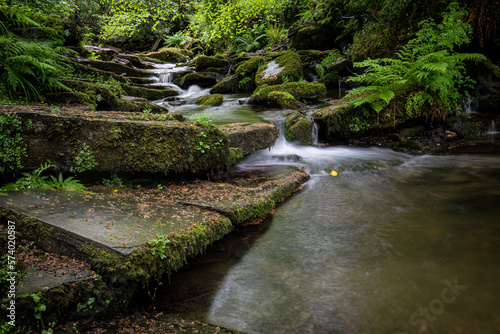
x,y
204,79
313,55
298,129
291,70
411,132
212,99
166,55
144,142
202,62
248,67
227,85
283,100
301,91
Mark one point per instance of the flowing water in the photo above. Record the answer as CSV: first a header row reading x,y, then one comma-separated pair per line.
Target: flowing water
x,y
392,244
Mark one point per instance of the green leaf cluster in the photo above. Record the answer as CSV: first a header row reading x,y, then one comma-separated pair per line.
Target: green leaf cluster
x,y
35,180
427,75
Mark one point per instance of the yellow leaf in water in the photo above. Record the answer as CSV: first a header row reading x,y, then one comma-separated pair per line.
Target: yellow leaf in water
x,y
333,173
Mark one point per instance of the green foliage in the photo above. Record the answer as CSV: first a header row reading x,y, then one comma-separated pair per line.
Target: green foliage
x,y
321,68
87,306
275,34
220,22
28,68
84,160
252,40
205,121
158,245
12,147
35,180
114,181
426,73
126,19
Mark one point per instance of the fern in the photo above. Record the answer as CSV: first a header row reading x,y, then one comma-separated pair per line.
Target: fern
x,y
427,73
27,68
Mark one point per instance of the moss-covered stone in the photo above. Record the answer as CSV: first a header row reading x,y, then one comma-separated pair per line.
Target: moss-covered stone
x,y
226,85
202,62
325,35
246,68
212,100
150,93
313,55
249,138
117,68
298,129
166,55
283,100
122,142
285,68
301,91
203,79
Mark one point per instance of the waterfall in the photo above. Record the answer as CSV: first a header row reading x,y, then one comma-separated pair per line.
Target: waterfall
x,y
315,134
492,129
469,105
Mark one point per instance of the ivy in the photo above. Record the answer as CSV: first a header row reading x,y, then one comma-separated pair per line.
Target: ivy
x,y
12,146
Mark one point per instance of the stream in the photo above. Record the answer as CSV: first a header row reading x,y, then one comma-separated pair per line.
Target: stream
x,y
393,243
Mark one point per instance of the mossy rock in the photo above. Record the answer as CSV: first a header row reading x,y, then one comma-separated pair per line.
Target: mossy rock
x,y
70,99
283,100
167,55
203,79
226,85
150,93
247,67
202,62
325,35
125,142
298,129
211,100
313,55
301,91
285,68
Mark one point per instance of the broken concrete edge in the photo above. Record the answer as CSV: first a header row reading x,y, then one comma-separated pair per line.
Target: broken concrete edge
x,y
121,278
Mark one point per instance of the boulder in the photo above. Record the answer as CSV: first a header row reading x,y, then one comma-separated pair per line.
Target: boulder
x,y
167,55
211,100
285,68
226,85
203,62
249,138
300,91
298,129
204,79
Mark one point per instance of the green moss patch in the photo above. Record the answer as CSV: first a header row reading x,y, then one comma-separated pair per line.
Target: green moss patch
x,y
301,91
211,100
285,68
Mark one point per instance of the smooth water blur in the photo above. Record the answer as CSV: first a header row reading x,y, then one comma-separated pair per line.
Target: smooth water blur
x,y
392,244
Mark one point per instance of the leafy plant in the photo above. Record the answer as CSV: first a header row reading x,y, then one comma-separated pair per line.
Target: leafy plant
x,y
159,245
203,120
328,60
27,68
114,181
35,180
275,33
12,147
252,40
426,73
84,160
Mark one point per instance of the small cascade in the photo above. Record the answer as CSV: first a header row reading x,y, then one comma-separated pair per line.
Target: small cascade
x,y
492,129
315,134
469,105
